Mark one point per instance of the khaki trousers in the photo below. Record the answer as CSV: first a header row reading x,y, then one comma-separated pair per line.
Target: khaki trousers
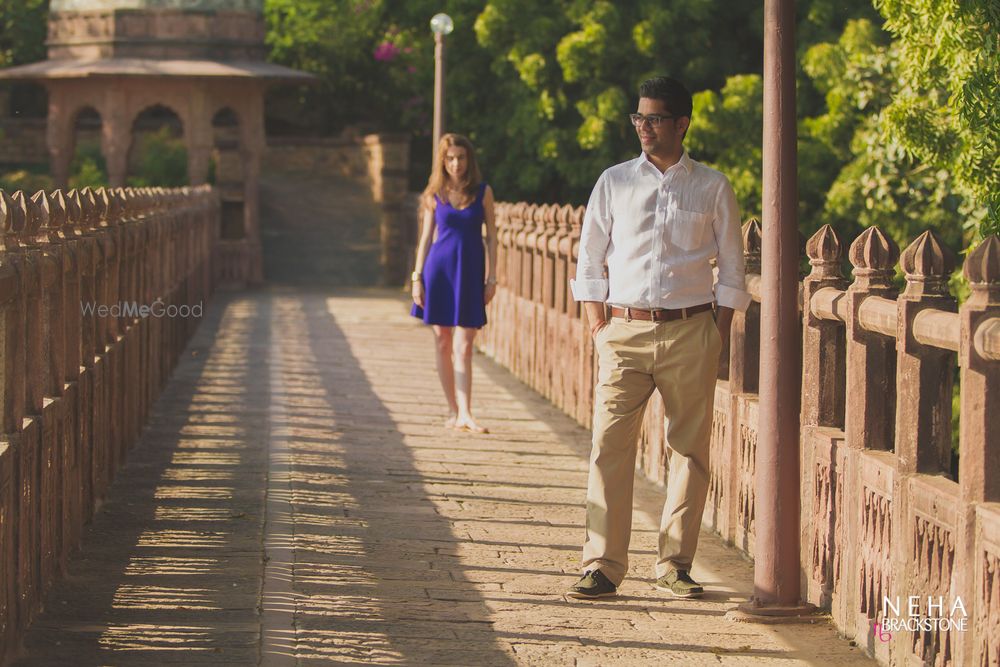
x,y
680,360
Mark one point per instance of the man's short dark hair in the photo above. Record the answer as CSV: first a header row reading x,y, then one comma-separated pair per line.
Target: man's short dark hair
x,y
671,91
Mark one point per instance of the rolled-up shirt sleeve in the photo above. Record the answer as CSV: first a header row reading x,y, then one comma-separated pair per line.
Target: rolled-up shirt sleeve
x,y
595,238
730,290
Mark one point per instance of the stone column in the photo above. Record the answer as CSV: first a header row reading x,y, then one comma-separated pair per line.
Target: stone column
x,y
60,136
116,136
198,137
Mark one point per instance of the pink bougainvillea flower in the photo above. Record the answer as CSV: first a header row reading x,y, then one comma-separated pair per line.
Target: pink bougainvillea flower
x,y
386,51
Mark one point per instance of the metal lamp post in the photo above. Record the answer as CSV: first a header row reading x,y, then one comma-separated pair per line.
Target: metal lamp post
x,y
441,25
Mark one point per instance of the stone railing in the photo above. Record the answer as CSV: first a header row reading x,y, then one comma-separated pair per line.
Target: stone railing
x,y
882,514
83,359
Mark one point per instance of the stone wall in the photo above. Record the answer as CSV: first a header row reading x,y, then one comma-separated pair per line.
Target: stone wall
x,y
22,141
378,162
78,371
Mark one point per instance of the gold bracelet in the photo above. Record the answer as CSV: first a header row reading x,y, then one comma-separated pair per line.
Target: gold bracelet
x,y
416,276
491,281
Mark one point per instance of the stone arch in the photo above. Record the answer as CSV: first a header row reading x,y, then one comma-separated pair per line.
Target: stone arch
x,y
88,165
157,153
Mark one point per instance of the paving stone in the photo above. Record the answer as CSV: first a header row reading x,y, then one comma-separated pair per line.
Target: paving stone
x,y
295,500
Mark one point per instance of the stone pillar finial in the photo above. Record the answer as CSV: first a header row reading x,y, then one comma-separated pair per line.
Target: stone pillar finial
x,y
74,213
928,265
982,270
37,207
824,253
8,237
874,256
19,217
57,214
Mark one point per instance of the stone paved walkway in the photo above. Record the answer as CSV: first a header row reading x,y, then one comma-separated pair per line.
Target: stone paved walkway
x,y
294,500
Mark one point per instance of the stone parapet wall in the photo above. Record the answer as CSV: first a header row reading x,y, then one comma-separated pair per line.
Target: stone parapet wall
x,y
156,33
882,514
83,360
378,162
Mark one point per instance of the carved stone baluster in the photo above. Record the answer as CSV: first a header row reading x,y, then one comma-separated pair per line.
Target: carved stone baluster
x,y
49,253
868,421
871,360
744,349
582,370
924,373
561,362
12,303
29,440
744,369
823,374
823,384
924,380
979,449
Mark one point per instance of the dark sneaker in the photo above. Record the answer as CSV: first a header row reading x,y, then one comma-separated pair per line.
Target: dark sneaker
x,y
593,585
680,584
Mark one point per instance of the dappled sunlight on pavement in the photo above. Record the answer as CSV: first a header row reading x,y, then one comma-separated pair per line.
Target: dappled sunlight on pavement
x,y
297,463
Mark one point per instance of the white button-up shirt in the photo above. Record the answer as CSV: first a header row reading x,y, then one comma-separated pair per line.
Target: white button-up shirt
x,y
657,232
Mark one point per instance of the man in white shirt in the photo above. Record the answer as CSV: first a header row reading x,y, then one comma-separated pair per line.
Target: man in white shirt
x,y
656,221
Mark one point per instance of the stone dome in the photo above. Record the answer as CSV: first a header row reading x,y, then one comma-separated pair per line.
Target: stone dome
x,y
184,5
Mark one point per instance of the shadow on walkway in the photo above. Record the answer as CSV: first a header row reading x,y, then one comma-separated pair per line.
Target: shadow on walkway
x,y
169,568
369,568
295,499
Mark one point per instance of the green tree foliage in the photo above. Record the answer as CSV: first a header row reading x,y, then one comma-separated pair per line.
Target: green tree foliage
x,y
161,161
945,112
88,168
365,61
22,31
850,174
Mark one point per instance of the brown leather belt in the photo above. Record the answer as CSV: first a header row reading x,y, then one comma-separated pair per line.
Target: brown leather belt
x,y
659,314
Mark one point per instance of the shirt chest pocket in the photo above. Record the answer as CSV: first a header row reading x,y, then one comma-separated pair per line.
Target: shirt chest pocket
x,y
688,228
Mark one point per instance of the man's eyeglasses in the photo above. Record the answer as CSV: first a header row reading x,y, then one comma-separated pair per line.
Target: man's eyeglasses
x,y
654,119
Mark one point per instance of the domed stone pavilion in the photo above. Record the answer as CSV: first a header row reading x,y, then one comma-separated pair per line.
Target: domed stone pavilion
x,y
201,61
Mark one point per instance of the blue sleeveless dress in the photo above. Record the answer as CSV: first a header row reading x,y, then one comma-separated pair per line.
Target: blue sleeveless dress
x,y
455,268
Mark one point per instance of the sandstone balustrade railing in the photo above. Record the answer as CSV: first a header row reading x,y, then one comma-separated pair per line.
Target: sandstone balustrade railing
x,y
79,368
882,513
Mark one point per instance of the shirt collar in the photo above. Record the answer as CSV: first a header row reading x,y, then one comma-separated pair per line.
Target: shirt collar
x,y
685,162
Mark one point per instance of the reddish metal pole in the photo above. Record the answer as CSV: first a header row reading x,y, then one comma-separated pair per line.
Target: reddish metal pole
x,y
438,90
776,550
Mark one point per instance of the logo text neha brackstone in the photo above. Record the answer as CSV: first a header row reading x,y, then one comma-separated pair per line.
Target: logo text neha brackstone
x,y
938,613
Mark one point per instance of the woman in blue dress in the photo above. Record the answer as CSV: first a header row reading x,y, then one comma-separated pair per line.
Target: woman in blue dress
x,y
455,275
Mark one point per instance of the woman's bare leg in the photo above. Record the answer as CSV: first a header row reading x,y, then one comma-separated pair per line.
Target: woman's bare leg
x,y
463,380
443,345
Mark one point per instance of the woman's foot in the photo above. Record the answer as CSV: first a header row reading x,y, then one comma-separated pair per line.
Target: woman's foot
x,y
469,425
450,421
